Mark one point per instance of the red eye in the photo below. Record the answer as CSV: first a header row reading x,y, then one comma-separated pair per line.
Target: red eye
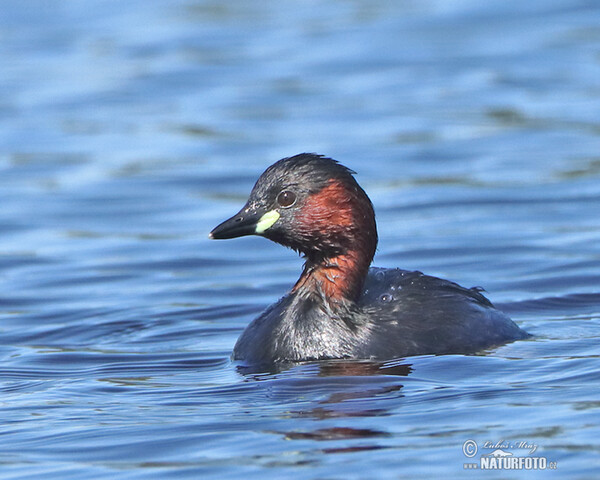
x,y
286,198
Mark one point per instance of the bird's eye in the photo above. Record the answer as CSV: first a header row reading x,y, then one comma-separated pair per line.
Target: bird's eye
x,y
286,198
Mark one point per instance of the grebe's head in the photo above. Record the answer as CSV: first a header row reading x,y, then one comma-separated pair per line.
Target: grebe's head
x,y
310,203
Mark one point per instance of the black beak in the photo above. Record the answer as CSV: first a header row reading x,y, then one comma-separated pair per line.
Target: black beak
x,y
242,223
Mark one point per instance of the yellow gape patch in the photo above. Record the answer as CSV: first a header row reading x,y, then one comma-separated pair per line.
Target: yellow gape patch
x,y
267,221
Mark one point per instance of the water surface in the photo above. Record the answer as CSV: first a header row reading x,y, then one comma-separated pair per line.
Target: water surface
x,y
129,129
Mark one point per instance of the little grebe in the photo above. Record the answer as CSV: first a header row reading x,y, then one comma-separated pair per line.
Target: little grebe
x,y
341,308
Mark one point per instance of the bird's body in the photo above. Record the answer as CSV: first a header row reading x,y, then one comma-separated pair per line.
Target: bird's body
x,y
399,314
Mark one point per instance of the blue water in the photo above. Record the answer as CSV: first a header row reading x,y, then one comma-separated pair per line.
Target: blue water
x,y
129,129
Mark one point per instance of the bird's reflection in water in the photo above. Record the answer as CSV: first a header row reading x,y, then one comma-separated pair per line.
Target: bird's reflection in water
x,y
328,368
334,389
334,368
341,434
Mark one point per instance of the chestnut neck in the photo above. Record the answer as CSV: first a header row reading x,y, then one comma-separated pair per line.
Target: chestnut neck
x,y
342,242
337,278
